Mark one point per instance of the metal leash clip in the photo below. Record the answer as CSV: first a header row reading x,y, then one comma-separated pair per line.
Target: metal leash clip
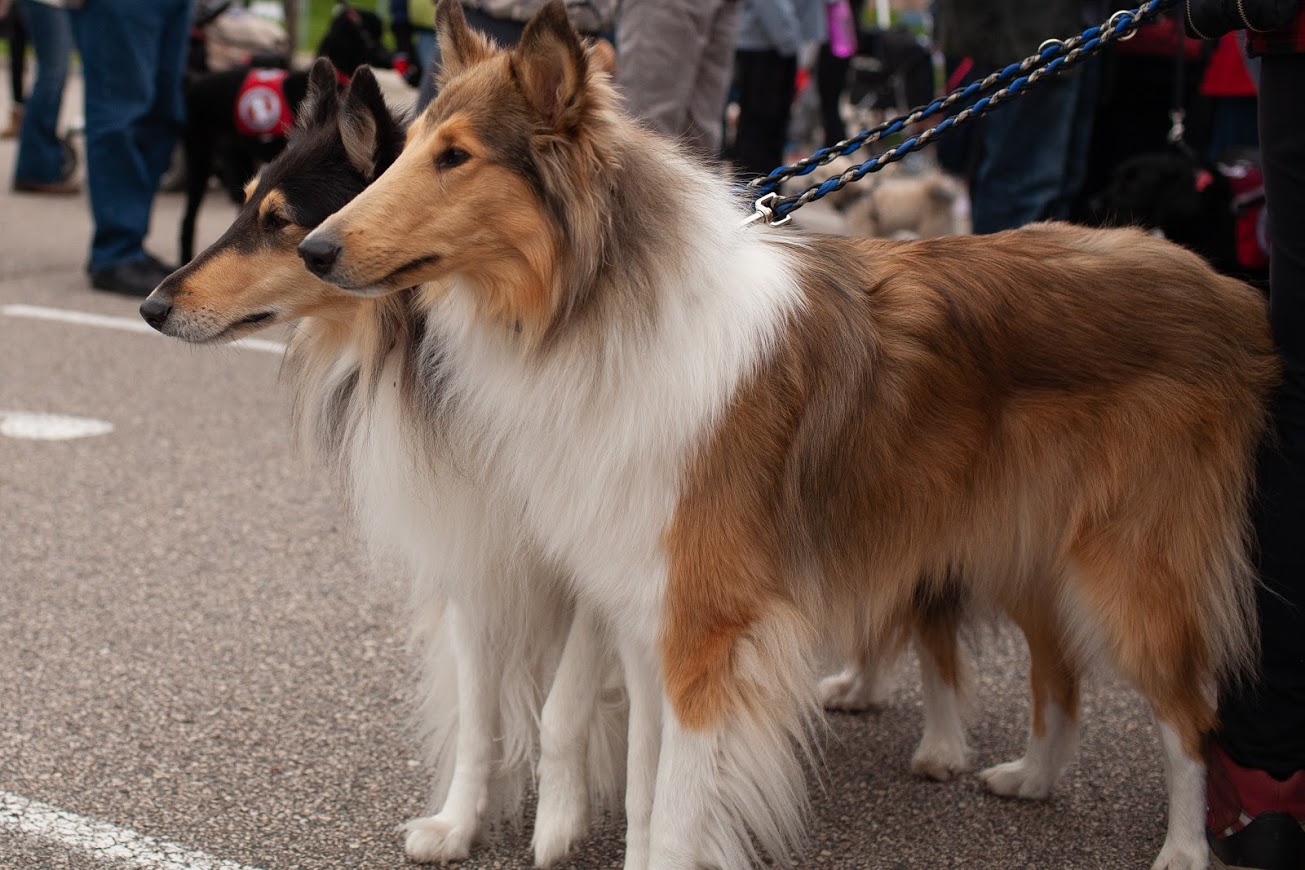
x,y
763,210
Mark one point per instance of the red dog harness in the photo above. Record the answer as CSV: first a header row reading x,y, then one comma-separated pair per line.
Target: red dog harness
x,y
262,109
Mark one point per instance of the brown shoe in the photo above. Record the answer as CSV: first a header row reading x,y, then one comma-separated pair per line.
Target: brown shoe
x,y
52,188
15,123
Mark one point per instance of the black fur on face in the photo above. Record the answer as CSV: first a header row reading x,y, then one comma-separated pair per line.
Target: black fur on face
x,y
317,175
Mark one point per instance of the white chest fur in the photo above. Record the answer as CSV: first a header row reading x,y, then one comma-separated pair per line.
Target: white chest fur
x,y
594,435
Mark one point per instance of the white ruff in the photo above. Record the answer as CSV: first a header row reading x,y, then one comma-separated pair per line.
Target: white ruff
x,y
593,438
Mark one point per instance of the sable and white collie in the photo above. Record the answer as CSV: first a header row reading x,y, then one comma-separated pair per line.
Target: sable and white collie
x,y
363,403
739,442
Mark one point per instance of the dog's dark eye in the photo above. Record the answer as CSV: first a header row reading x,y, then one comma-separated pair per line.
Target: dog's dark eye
x,y
451,157
273,221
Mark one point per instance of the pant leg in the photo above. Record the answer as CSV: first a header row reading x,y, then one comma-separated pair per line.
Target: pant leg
x,y
1263,726
120,44
40,154
1079,146
17,54
766,82
711,85
831,80
1022,172
427,47
162,127
661,46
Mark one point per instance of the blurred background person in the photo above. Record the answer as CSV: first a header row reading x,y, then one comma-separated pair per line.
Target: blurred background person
x,y
11,27
1256,781
832,64
771,33
1034,149
675,59
413,25
40,165
133,55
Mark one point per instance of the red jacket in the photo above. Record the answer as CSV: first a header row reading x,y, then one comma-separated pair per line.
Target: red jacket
x,y
1289,40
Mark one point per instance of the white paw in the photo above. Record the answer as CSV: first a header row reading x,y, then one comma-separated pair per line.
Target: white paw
x,y
853,691
1017,779
940,760
561,821
437,840
1183,856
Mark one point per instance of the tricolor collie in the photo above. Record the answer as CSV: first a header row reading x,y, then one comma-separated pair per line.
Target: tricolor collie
x,y
738,442
362,402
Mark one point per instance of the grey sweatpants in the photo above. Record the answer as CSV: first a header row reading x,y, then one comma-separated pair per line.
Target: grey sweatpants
x,y
674,62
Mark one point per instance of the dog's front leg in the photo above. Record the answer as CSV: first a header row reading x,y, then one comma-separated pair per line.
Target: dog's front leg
x,y
562,817
448,835
739,700
644,686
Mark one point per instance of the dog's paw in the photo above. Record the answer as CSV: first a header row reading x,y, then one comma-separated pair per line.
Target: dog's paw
x,y
1017,779
437,840
1183,856
940,760
561,820
855,690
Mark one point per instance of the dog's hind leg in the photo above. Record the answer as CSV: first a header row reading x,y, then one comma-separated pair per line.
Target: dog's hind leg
x,y
944,749
562,817
1053,731
448,835
1180,736
866,684
1169,661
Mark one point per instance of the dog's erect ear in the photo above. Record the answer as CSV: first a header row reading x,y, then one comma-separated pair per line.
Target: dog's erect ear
x,y
550,64
460,46
323,100
364,120
602,56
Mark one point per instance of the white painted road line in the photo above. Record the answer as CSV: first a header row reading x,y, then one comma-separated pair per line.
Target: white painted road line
x,y
121,846
127,324
35,426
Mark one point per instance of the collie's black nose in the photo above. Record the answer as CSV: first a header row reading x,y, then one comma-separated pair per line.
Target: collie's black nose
x,y
319,255
155,310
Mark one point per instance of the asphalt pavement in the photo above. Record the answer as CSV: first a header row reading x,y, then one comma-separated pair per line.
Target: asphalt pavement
x,y
194,651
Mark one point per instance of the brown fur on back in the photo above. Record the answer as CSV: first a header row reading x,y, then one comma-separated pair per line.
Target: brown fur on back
x,y
1066,416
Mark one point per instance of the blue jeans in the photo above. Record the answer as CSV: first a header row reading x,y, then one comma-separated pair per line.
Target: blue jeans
x,y
40,156
133,55
427,48
1035,152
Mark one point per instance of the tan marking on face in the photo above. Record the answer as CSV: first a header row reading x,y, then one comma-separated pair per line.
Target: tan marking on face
x,y
273,202
215,293
251,186
479,220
